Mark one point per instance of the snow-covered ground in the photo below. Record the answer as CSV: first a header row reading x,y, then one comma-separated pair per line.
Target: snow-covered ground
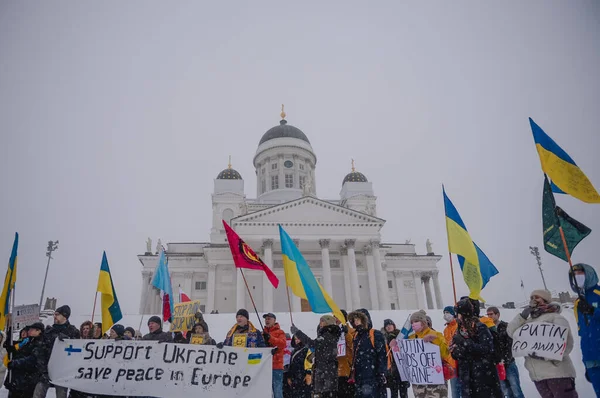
x,y
220,324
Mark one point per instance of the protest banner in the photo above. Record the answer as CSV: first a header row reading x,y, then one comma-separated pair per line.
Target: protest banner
x,y
341,346
183,316
287,353
24,315
166,370
418,361
546,340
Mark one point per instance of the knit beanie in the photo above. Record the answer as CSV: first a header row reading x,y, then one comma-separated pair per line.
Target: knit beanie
x,y
545,294
119,330
329,320
155,319
388,322
64,310
465,307
39,326
450,309
419,316
130,330
243,313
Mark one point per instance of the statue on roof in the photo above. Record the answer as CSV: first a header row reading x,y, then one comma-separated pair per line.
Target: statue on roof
x,y
149,246
429,246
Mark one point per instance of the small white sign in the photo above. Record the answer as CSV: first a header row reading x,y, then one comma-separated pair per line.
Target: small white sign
x,y
24,315
418,361
342,346
543,339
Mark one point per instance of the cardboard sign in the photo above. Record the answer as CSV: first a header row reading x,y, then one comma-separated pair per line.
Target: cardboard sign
x,y
417,361
183,316
147,368
240,340
197,339
341,346
24,315
546,340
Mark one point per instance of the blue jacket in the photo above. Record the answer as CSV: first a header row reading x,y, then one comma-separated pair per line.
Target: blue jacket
x,y
248,334
588,325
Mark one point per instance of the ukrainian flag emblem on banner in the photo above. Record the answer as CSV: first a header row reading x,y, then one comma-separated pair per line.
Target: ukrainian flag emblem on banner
x,y
254,359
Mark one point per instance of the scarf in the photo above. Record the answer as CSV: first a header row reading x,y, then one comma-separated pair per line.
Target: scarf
x,y
545,309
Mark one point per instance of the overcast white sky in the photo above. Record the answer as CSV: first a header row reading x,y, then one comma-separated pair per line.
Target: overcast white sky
x,y
116,116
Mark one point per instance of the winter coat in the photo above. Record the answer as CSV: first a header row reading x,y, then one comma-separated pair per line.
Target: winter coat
x,y
589,324
370,358
249,333
325,367
300,366
393,373
505,343
159,335
449,332
207,340
26,367
345,362
64,331
476,369
277,339
541,369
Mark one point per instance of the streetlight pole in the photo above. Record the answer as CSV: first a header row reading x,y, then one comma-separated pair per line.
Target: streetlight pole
x,y
52,246
536,253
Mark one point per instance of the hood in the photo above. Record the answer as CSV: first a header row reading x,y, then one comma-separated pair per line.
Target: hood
x,y
297,346
591,277
366,312
359,314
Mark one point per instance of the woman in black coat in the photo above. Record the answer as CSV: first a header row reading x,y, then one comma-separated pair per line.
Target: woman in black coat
x,y
299,374
24,368
325,368
473,348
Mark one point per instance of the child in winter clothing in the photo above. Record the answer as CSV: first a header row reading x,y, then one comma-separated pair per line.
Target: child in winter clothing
x,y
418,321
587,314
553,379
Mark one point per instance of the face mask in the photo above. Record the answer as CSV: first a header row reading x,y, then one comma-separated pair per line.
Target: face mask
x,y
580,281
448,317
417,327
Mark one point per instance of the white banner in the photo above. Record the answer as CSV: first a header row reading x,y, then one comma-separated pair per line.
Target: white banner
x,y
148,368
24,315
543,339
417,361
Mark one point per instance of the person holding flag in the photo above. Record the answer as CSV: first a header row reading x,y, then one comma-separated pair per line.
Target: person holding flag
x,y
162,281
111,310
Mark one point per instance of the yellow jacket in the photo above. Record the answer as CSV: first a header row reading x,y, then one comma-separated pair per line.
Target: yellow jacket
x,y
487,321
449,332
345,362
439,340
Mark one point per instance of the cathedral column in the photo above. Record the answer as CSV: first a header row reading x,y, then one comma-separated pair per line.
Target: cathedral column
x,y
372,278
267,287
324,243
428,295
436,288
240,290
146,281
384,291
418,289
210,300
399,284
353,273
347,281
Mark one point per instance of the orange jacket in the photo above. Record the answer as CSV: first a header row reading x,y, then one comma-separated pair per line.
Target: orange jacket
x,y
345,362
277,340
449,332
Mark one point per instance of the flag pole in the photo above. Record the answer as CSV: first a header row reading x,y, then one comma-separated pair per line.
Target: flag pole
x,y
252,299
564,241
94,309
287,289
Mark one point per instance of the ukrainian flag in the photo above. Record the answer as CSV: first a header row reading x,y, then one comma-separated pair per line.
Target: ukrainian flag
x,y
301,280
566,176
9,284
254,359
111,311
476,267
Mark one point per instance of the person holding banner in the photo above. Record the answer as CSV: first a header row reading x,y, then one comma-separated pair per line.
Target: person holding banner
x,y
552,378
275,337
584,282
473,348
200,335
156,331
420,326
243,333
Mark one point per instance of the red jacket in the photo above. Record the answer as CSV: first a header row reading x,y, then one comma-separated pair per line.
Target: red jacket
x,y
277,340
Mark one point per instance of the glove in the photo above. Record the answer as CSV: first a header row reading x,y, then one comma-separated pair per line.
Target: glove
x,y
585,307
267,337
344,329
526,312
220,345
273,351
381,380
62,337
534,356
294,329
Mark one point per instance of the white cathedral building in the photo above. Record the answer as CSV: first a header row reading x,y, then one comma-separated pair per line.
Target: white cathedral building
x,y
340,239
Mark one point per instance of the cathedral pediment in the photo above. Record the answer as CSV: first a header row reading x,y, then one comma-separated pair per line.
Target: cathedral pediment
x,y
309,211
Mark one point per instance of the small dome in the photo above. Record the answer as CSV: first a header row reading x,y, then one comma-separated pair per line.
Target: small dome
x,y
284,130
354,176
229,174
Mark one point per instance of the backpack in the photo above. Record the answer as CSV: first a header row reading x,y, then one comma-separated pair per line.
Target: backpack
x,y
388,352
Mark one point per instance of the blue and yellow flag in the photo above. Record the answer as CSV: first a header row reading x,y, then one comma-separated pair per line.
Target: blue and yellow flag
x,y
9,283
111,311
565,175
301,280
476,267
